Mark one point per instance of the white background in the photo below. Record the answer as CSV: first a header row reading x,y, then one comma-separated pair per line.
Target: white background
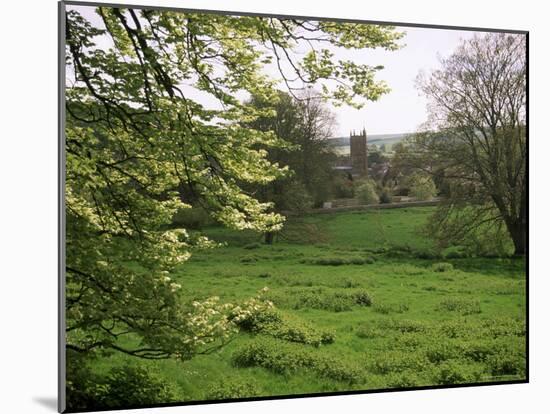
x,y
28,223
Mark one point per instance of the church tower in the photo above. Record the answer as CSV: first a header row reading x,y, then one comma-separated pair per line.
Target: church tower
x,y
358,153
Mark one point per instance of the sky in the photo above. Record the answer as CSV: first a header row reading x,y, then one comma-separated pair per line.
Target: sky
x,y
403,109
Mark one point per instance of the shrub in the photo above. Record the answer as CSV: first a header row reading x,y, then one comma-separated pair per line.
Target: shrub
x,y
505,362
232,388
457,372
362,298
249,259
422,187
321,298
442,267
192,218
441,350
273,323
349,283
287,359
405,379
397,361
407,325
342,187
332,261
127,386
130,386
455,252
462,306
365,192
386,309
425,254
385,196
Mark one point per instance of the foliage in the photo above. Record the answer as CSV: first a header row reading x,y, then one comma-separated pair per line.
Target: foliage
x,y
442,267
192,218
305,123
385,196
139,149
122,387
285,359
230,388
362,335
273,323
336,300
338,261
342,187
462,306
365,191
387,308
457,372
474,229
422,187
475,144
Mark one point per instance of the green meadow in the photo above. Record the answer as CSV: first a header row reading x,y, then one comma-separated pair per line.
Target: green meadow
x,y
360,302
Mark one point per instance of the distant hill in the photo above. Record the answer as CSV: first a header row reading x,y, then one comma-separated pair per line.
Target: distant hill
x,y
341,144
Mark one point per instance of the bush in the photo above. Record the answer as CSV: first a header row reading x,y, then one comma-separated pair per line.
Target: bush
x,y
342,187
287,359
232,388
362,298
385,196
507,363
457,372
330,261
425,254
127,386
192,218
273,323
455,252
250,259
339,261
407,379
321,298
134,386
365,192
397,361
422,187
441,350
442,267
462,306
386,309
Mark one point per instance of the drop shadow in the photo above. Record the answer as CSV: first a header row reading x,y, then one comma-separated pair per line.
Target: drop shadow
x,y
47,402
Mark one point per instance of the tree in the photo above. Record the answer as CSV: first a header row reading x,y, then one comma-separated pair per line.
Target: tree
x,y
305,123
140,146
476,138
422,187
365,191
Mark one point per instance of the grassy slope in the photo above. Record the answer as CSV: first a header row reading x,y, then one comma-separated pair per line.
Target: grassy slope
x,y
424,327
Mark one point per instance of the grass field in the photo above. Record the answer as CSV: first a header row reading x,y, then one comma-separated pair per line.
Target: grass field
x,y
358,305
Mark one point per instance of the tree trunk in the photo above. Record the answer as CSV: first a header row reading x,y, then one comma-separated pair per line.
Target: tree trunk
x,y
518,232
269,237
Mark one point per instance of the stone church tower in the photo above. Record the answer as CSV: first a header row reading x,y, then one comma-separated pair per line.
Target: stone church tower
x,y
358,153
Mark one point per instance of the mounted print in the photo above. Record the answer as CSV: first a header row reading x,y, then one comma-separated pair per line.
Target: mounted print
x,y
258,207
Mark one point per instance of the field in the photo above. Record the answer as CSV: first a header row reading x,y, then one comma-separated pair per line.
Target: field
x,y
360,302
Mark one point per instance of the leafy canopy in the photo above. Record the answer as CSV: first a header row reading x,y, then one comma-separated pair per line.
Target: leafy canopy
x,y
155,122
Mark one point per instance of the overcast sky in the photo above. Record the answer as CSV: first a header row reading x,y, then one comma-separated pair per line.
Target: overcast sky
x,y
403,109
